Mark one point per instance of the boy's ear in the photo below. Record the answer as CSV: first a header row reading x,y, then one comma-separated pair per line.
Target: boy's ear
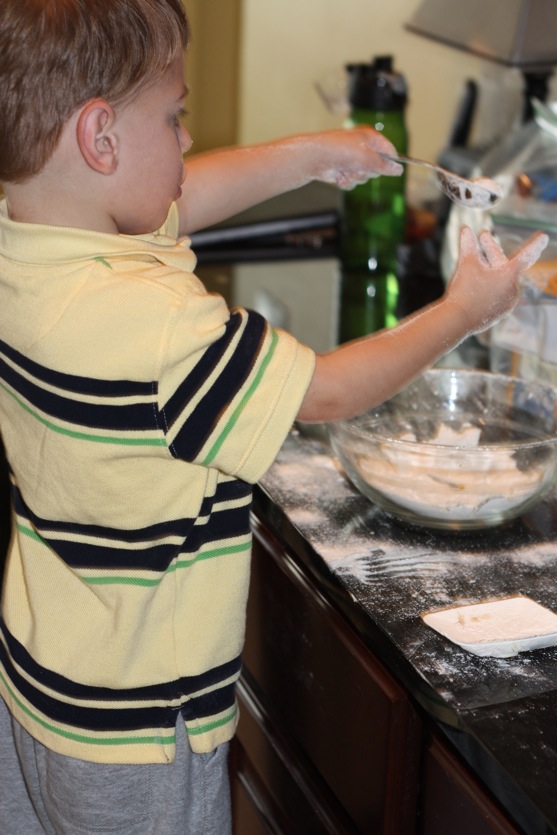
x,y
97,142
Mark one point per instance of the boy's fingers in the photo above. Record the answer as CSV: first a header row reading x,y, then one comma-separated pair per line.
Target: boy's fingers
x,y
468,242
529,252
492,251
488,247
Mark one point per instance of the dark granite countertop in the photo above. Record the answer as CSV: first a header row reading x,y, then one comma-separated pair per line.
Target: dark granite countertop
x,y
500,713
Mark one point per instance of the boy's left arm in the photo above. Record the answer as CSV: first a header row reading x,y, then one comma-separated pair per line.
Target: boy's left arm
x,y
221,183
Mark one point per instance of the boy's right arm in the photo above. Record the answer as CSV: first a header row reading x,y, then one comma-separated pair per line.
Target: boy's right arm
x,y
361,374
226,181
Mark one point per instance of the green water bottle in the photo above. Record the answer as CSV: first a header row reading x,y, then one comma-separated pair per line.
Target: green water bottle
x,y
373,215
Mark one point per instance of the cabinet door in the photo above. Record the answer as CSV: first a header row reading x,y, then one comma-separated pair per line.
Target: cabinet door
x,y
453,801
273,789
343,729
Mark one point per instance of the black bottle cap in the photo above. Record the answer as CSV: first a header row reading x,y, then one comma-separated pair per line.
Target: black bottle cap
x,y
376,86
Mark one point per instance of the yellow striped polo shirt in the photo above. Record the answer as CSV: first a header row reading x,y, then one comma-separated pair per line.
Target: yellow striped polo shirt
x,y
137,410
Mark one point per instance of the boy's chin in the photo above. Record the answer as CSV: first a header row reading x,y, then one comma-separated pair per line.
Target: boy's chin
x,y
145,226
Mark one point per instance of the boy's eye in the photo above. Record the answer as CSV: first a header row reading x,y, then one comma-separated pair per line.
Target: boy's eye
x,y
180,116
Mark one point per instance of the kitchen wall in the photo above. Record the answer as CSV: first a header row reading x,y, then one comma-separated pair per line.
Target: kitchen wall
x,y
265,56
213,65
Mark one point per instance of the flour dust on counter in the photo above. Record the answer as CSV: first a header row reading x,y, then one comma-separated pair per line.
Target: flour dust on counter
x,y
539,555
428,567
396,572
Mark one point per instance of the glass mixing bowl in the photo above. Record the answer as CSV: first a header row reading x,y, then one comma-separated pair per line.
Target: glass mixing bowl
x,y
455,450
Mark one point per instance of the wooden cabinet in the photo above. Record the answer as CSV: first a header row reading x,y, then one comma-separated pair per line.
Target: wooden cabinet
x,y
329,743
452,801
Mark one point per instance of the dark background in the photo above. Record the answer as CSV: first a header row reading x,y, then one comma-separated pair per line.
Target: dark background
x,y
4,507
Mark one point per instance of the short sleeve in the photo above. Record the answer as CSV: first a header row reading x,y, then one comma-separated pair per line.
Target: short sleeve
x,y
231,388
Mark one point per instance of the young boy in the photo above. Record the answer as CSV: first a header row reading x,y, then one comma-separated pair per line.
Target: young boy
x,y
137,410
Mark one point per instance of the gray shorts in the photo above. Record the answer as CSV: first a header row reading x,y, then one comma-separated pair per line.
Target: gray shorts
x,y
43,792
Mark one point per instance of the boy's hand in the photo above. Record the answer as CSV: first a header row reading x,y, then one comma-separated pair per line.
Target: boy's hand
x,y
360,374
485,284
347,158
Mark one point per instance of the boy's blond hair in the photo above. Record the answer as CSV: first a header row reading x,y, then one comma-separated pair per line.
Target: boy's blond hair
x,y
55,55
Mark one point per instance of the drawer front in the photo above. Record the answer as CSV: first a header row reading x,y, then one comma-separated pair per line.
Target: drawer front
x,y
273,790
454,801
323,690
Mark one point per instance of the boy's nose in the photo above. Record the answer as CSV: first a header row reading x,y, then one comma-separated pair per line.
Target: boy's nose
x,y
185,140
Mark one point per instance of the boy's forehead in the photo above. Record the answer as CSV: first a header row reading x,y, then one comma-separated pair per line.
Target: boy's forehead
x,y
177,74
172,82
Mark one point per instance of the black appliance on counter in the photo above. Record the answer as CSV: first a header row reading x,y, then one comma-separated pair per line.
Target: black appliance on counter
x,y
301,224
305,224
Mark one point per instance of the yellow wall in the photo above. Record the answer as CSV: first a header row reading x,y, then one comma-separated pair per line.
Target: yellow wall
x,y
253,64
212,66
288,45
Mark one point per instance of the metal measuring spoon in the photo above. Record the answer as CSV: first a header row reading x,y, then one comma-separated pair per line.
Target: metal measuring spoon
x,y
479,193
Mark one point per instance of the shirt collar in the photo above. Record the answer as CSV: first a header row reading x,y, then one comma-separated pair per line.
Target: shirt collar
x,y
34,243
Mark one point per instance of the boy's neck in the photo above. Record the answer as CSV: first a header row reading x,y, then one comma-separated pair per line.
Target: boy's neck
x,y
40,201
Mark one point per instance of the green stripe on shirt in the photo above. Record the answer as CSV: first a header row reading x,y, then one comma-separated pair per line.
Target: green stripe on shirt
x,y
243,403
84,436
